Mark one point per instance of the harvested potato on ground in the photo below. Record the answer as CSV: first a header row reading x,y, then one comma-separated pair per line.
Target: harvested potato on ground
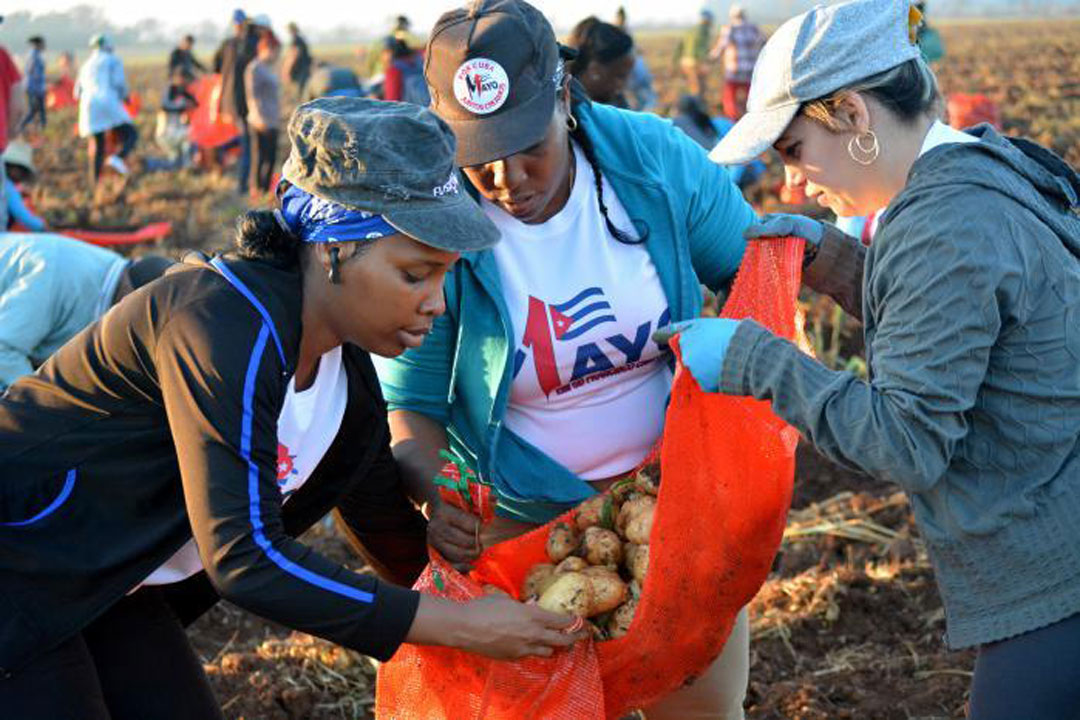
x,y
630,509
639,527
620,621
608,589
537,580
601,547
637,560
561,542
571,564
570,594
595,511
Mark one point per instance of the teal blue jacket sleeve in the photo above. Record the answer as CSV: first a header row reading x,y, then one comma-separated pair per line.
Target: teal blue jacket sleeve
x,y
26,309
716,212
18,211
419,379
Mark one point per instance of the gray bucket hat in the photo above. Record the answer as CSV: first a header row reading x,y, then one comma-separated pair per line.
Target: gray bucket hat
x,y
393,159
810,56
492,69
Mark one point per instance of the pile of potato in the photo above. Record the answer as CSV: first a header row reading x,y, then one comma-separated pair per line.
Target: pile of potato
x,y
599,560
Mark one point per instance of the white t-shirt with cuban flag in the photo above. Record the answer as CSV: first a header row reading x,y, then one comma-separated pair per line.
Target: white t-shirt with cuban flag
x,y
308,423
590,386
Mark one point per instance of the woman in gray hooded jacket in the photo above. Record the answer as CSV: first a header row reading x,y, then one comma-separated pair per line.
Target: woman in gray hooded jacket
x,y
970,299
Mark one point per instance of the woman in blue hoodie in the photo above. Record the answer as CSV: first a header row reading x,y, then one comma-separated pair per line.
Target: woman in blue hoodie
x,y
542,372
970,299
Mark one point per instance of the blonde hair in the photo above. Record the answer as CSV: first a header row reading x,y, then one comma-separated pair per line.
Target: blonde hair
x,y
909,91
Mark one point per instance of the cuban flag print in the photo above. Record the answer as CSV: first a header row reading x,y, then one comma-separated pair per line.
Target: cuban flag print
x,y
580,314
577,335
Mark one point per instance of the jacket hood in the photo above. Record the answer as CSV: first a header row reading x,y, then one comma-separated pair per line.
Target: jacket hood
x,y
1020,169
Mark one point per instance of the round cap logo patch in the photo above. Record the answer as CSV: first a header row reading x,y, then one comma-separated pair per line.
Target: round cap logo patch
x,y
481,86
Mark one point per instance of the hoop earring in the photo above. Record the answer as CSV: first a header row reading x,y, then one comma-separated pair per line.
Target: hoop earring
x,y
335,266
870,154
571,122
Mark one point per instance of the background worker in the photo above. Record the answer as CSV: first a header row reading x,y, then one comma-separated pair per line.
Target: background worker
x,y
36,85
692,55
102,88
231,61
738,46
51,287
262,87
605,60
183,58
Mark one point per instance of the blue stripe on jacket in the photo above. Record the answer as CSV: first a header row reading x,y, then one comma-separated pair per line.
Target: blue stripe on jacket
x,y
254,512
65,492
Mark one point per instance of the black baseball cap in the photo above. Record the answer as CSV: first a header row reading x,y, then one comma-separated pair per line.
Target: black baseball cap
x,y
390,158
493,70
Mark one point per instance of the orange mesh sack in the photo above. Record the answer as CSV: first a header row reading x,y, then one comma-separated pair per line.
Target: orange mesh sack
x,y
727,467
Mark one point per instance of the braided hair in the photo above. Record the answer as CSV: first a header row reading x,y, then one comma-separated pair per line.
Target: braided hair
x,y
578,97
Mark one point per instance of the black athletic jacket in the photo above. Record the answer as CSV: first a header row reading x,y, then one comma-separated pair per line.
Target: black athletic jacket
x,y
166,411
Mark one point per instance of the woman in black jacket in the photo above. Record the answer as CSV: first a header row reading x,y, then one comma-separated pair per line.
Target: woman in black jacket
x,y
174,448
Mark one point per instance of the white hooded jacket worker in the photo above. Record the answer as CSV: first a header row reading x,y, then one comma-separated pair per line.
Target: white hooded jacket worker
x,y
101,88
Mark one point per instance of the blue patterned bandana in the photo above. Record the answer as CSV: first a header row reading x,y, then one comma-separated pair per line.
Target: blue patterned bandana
x,y
315,220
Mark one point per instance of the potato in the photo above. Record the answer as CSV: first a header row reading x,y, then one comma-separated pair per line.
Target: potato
x,y
637,560
601,547
633,505
571,564
608,589
589,512
570,594
620,621
647,479
561,542
537,580
639,527
710,307
620,492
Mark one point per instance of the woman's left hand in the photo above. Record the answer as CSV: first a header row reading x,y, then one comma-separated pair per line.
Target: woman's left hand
x,y
454,533
785,225
703,344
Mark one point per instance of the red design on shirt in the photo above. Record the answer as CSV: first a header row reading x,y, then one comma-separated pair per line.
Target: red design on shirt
x,y
284,462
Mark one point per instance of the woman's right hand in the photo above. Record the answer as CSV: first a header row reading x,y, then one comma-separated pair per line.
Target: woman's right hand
x,y
506,629
453,532
495,626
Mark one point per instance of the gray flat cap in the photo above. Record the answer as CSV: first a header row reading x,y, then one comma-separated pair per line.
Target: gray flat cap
x,y
394,159
810,56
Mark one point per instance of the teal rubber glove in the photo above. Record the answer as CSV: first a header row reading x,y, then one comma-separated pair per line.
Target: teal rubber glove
x,y
784,225
703,344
